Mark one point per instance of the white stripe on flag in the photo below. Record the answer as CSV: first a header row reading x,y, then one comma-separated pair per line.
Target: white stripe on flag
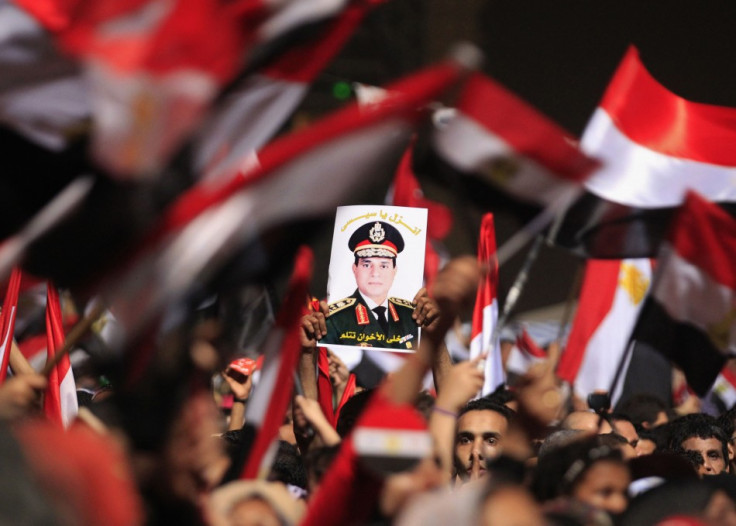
x,y
68,398
493,366
470,147
637,176
606,346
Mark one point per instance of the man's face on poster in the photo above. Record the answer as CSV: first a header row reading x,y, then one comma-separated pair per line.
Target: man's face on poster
x,y
374,277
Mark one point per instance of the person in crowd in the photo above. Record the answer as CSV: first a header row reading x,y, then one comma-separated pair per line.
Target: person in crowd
x,y
700,439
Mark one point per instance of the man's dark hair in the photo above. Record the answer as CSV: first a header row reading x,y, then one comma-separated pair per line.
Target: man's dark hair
x,y
351,411
642,408
485,404
612,440
357,259
657,435
502,395
288,466
697,425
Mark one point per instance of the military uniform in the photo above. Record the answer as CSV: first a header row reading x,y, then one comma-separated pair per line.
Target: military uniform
x,y
351,322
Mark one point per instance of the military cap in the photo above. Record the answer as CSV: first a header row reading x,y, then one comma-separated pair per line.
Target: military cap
x,y
378,239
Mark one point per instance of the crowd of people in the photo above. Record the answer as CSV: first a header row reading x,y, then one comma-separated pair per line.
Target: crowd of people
x,y
394,453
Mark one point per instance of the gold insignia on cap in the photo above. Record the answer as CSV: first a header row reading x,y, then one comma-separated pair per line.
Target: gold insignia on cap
x,y
377,233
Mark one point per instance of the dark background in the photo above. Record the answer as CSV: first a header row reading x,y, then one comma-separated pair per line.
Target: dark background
x,y
559,56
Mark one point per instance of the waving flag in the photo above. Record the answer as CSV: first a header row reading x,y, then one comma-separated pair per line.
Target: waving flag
x,y
499,138
60,398
270,400
7,320
485,314
690,315
254,110
655,146
613,292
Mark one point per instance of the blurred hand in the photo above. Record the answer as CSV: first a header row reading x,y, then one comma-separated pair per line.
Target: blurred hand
x,y
19,394
426,311
313,327
462,383
339,372
538,392
240,390
454,289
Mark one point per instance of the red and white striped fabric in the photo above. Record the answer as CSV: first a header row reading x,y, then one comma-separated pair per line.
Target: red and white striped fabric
x,y
656,145
506,142
7,320
485,314
255,110
60,398
282,349
613,293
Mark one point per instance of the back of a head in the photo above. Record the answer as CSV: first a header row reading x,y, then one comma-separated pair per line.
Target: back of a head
x,y
351,411
642,408
560,438
681,497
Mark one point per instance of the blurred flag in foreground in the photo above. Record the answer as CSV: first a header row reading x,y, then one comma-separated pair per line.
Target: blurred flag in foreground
x,y
655,146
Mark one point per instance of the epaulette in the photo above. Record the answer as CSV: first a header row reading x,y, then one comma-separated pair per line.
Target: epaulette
x,y
340,305
402,302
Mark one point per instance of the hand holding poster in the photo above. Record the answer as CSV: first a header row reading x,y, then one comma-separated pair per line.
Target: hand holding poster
x,y
375,271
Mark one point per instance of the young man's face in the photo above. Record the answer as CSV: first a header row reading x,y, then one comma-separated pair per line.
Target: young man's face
x,y
479,437
711,450
374,277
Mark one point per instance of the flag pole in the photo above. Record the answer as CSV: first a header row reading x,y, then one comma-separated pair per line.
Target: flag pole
x,y
79,330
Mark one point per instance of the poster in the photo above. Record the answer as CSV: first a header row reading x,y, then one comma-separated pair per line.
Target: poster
x,y
376,269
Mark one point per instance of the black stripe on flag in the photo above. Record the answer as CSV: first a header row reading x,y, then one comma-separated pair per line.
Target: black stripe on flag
x,y
597,228
684,344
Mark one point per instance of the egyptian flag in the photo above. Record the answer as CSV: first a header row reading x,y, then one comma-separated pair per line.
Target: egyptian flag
x,y
485,313
60,397
500,139
406,191
251,112
270,400
690,315
300,176
725,388
612,294
655,146
7,321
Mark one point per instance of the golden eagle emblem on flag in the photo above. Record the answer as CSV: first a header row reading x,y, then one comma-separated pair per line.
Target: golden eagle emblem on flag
x,y
634,282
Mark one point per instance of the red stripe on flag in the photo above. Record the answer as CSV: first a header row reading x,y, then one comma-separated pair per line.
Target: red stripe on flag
x,y
651,115
287,356
729,375
324,386
715,231
346,395
401,102
528,345
529,132
596,298
7,320
486,256
54,341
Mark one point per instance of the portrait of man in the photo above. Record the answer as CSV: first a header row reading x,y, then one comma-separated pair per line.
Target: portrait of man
x,y
370,317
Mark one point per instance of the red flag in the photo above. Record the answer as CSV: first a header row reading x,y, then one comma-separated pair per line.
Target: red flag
x,y
324,386
282,348
60,398
7,320
485,313
407,192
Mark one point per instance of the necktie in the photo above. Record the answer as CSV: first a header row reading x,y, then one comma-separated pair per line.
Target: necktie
x,y
381,312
